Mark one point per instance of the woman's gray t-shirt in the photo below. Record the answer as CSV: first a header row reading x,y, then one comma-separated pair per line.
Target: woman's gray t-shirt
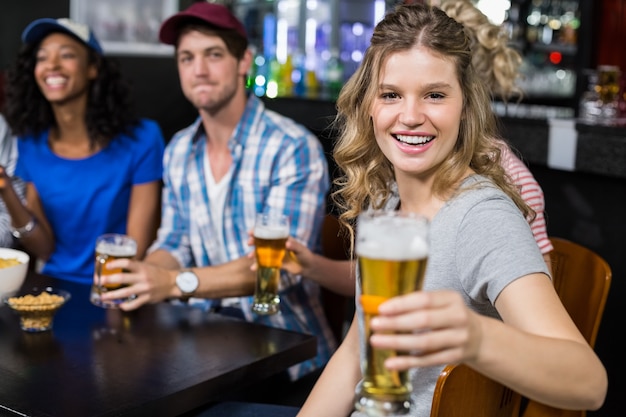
x,y
479,243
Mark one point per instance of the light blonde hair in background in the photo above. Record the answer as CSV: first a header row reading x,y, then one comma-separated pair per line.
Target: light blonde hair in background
x,y
366,172
493,59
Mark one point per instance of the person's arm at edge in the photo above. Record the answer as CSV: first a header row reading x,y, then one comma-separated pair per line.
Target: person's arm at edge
x,y
230,279
143,215
333,393
39,241
335,275
145,197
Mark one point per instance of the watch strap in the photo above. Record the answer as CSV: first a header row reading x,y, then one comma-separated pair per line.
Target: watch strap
x,y
20,232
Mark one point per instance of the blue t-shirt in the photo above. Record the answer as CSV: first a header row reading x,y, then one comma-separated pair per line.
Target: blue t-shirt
x,y
84,198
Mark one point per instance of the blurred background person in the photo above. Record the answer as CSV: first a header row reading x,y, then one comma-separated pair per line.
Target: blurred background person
x,y
8,158
235,160
90,165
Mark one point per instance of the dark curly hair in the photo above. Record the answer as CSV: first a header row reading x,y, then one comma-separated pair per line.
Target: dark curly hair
x,y
109,106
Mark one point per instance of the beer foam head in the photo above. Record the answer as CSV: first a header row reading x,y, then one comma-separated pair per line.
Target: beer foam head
x,y
271,231
116,245
392,236
113,249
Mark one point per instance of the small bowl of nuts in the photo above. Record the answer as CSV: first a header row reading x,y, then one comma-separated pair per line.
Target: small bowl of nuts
x,y
37,307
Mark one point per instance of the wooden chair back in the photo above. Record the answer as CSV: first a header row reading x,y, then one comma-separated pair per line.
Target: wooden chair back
x,y
582,279
335,246
462,392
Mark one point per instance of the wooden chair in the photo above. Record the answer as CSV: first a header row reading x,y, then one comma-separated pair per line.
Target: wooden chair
x,y
336,306
582,279
463,392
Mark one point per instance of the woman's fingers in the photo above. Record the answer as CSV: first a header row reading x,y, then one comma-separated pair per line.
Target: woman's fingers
x,y
426,329
421,310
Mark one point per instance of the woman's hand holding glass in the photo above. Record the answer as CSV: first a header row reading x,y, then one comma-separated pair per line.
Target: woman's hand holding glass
x,y
435,327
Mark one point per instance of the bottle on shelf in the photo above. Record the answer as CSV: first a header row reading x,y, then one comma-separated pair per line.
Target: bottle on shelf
x,y
590,107
333,80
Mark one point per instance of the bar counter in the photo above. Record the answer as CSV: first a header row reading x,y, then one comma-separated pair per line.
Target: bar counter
x,y
569,145
554,142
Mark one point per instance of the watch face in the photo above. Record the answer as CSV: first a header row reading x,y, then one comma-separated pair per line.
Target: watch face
x,y
187,281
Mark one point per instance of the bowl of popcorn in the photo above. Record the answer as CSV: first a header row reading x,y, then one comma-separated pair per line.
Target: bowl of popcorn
x,y
13,269
36,307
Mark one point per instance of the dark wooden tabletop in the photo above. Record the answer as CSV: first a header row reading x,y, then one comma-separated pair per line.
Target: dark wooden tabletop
x,y
161,360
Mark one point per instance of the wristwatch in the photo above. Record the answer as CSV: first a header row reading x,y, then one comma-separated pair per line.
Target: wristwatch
x,y
187,282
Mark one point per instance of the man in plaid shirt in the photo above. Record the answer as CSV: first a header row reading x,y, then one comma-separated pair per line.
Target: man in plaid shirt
x,y
237,159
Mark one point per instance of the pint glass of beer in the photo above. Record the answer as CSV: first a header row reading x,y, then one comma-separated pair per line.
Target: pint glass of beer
x,y
270,235
110,247
392,251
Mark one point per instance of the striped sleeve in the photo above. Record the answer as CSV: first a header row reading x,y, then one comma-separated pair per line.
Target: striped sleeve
x,y
532,194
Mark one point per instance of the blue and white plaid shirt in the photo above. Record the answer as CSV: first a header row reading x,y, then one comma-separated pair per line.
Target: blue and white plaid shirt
x,y
277,164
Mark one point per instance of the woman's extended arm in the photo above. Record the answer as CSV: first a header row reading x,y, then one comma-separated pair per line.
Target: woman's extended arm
x,y
336,275
536,350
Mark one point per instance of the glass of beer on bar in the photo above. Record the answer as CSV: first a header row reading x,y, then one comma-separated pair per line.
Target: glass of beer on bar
x,y
270,236
608,86
392,251
110,247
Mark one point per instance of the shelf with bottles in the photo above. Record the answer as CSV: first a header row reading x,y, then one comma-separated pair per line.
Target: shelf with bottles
x,y
307,48
546,33
295,77
549,24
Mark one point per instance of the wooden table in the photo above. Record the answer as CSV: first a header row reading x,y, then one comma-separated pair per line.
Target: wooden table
x,y
161,360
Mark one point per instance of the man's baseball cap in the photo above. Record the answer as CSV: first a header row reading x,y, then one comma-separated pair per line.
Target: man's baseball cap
x,y
40,28
211,13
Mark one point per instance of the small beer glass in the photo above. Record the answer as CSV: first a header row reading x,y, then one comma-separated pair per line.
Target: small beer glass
x,y
608,86
110,247
392,251
608,83
270,235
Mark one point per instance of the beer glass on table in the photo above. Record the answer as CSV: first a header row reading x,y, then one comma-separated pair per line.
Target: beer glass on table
x,y
110,247
392,251
270,236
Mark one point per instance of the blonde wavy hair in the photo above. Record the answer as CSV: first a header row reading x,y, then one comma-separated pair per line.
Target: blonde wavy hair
x,y
366,174
493,59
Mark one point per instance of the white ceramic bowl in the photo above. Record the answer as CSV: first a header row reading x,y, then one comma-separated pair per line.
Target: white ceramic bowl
x,y
12,277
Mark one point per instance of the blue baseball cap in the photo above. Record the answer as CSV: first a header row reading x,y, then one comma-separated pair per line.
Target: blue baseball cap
x,y
40,28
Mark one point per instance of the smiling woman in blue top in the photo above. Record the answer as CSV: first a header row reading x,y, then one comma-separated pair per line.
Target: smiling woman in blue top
x,y
91,167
